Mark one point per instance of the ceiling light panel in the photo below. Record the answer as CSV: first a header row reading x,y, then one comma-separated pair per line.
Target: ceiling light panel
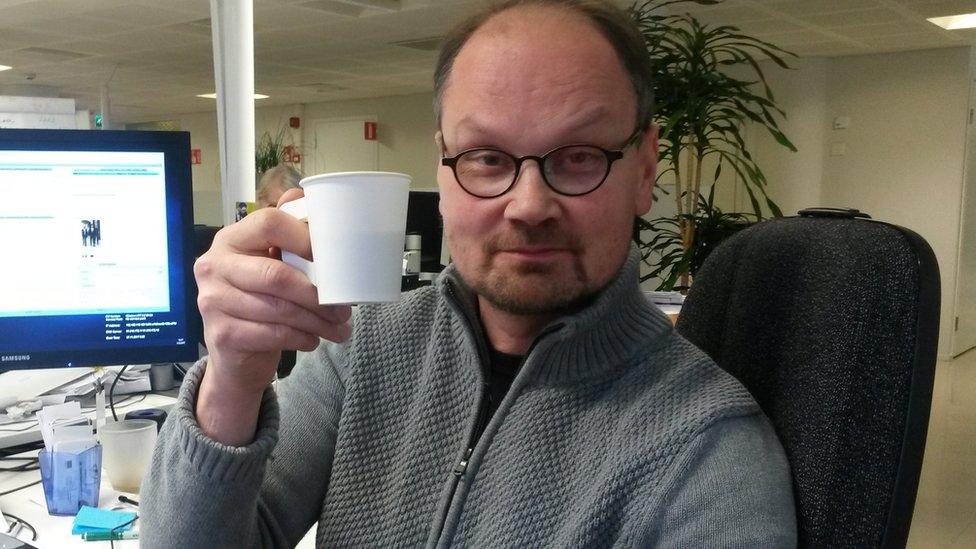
x,y
955,22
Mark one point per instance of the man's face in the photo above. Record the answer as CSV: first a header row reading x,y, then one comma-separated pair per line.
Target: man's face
x,y
528,81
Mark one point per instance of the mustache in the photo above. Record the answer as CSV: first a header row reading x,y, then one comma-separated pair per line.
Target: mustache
x,y
537,237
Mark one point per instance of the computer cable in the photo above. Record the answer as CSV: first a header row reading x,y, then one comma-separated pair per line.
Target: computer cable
x,y
111,392
30,464
118,528
124,524
130,501
20,522
21,448
19,488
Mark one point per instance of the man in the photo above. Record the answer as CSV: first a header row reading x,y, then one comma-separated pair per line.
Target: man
x,y
531,398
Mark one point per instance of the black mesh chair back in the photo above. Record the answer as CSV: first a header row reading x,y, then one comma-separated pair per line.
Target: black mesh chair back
x,y
832,323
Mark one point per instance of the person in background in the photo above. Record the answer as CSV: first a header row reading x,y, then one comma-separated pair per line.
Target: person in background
x,y
532,397
275,182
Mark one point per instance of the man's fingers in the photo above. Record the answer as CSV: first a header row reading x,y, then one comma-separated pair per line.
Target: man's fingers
x,y
289,195
272,310
338,314
249,336
261,275
264,229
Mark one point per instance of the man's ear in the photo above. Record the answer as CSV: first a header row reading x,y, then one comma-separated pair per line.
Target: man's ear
x,y
439,140
647,157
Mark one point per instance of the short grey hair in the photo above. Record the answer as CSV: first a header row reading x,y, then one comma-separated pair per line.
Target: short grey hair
x,y
282,177
614,23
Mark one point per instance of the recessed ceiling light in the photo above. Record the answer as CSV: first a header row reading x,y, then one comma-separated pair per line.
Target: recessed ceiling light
x,y
5,68
953,22
214,96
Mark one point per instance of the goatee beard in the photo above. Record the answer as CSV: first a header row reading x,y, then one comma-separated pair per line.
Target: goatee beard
x,y
533,288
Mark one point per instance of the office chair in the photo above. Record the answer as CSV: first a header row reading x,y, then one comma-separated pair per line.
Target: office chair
x,y
831,321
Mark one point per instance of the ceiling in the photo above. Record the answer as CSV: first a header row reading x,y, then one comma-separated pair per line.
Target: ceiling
x,y
155,55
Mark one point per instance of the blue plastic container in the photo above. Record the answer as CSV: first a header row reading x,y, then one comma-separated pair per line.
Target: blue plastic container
x,y
71,480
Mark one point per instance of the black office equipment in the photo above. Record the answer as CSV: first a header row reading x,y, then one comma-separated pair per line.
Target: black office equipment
x,y
152,414
424,217
203,236
832,323
97,232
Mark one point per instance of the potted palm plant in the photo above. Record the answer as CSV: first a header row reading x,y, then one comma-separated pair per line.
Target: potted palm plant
x,y
269,151
701,110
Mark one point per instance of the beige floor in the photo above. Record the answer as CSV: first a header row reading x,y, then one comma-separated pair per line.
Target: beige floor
x,y
945,511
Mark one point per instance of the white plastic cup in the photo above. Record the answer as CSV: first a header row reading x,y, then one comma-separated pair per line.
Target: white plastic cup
x,y
127,448
357,223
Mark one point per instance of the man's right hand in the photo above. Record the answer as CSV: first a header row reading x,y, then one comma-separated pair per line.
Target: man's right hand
x,y
254,306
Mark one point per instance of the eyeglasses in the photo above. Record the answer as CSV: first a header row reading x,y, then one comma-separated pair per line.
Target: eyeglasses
x,y
570,170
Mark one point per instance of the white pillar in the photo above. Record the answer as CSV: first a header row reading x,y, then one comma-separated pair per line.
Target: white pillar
x,y
105,106
232,22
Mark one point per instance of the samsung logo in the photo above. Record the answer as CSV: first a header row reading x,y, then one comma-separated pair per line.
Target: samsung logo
x,y
14,358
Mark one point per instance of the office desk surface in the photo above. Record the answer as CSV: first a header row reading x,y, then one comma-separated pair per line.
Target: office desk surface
x,y
25,432
55,532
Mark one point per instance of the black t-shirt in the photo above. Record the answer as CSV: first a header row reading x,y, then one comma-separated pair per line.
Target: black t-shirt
x,y
501,371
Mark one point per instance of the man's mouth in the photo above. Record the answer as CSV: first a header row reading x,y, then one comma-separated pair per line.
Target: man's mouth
x,y
534,253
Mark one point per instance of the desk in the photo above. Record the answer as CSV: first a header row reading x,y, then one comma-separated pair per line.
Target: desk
x,y
26,432
55,532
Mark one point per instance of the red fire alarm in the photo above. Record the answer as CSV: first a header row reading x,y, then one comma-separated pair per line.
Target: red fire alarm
x,y
369,131
196,157
295,122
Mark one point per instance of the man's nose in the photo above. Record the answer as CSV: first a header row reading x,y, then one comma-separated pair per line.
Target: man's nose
x,y
531,201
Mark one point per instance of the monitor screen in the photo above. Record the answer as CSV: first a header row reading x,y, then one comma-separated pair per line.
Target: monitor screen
x,y
97,235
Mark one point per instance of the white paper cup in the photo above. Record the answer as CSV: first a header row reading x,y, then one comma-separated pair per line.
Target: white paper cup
x,y
127,448
357,222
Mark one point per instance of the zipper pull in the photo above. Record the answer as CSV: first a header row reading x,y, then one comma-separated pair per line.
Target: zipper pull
x,y
463,464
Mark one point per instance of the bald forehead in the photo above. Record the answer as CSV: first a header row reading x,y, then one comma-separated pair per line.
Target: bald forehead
x,y
538,29
527,16
546,55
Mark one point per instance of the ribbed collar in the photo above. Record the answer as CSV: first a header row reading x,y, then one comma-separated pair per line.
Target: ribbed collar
x,y
593,342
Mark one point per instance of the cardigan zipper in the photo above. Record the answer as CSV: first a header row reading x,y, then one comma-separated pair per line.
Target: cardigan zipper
x,y
484,404
484,410
481,421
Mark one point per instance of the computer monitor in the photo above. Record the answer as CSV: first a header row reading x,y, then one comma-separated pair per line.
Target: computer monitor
x,y
424,217
97,233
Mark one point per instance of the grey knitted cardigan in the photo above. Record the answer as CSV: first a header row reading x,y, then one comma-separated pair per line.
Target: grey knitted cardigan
x,y
615,432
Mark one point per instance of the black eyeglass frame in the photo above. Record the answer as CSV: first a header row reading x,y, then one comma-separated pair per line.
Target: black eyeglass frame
x,y
611,155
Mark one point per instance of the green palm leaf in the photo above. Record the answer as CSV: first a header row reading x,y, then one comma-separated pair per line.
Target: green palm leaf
x,y
700,110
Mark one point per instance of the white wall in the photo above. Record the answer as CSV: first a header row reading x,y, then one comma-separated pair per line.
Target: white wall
x,y
905,148
405,131
794,177
206,175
